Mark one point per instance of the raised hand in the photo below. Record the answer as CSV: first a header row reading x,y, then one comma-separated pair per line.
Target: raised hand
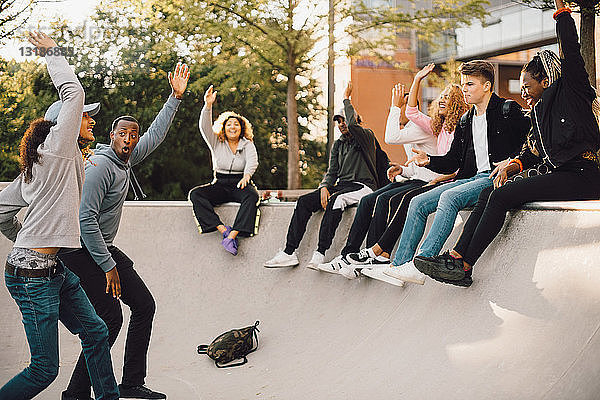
x,y
398,92
421,158
179,80
426,70
41,40
210,96
348,91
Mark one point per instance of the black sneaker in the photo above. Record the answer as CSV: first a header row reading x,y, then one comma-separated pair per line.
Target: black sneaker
x,y
139,392
69,396
443,266
362,257
465,282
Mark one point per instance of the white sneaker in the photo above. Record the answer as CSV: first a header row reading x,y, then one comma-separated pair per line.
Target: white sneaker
x,y
406,272
282,259
376,272
317,258
349,271
333,266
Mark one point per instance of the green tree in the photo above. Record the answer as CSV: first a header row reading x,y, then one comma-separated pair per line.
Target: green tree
x,y
125,69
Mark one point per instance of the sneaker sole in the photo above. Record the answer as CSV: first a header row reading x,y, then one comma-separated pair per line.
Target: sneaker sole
x,y
380,276
281,265
432,268
353,274
313,267
407,279
464,283
329,271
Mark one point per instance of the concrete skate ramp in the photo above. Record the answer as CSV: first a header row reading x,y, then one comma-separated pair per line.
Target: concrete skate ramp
x,y
526,329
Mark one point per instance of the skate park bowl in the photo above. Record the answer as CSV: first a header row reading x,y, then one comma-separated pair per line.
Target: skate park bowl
x,y
526,329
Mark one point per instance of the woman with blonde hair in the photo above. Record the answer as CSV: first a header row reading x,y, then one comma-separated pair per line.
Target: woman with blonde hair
x,y
234,161
444,114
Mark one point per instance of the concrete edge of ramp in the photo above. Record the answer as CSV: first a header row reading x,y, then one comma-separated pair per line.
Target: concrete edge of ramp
x,y
527,328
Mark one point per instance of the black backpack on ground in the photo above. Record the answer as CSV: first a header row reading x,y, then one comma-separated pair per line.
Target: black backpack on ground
x,y
233,345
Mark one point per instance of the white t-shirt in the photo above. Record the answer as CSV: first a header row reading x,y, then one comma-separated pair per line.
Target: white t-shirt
x,y
480,143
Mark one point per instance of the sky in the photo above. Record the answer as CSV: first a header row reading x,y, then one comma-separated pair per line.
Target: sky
x,y
76,11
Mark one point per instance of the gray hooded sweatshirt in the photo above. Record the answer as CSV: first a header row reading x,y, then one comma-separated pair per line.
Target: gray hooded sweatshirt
x,y
107,183
53,195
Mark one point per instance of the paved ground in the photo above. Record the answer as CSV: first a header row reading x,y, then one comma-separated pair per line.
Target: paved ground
x,y
526,329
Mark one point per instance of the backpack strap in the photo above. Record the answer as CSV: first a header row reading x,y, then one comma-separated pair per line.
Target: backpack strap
x,y
506,108
255,335
203,349
464,119
237,364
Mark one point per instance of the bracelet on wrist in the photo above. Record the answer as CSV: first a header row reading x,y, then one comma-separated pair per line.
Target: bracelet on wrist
x,y
518,163
560,11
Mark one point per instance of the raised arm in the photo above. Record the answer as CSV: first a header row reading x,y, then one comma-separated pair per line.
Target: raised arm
x,y
572,65
157,131
416,84
393,133
205,123
348,108
62,138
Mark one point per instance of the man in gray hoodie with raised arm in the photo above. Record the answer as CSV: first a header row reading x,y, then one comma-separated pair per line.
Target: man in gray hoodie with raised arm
x,y
104,269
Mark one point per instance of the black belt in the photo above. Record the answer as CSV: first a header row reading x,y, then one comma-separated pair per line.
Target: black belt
x,y
31,272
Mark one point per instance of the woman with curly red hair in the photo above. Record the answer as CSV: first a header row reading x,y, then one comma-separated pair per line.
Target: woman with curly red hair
x,y
50,186
234,160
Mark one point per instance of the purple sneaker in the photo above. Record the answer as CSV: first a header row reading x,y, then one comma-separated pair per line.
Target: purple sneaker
x,y
228,230
230,245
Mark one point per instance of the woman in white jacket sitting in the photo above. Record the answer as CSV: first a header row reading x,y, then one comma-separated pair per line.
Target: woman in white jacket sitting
x,y
234,161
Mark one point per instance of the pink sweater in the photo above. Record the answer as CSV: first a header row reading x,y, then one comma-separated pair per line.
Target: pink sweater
x,y
444,139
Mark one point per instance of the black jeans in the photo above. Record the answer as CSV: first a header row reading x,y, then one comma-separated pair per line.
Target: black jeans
x,y
311,203
374,213
394,228
134,294
224,190
574,181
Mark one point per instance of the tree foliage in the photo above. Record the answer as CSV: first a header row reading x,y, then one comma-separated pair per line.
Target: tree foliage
x,y
125,68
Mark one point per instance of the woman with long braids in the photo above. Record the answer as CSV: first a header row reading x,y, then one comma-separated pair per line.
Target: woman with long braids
x,y
234,162
50,186
564,138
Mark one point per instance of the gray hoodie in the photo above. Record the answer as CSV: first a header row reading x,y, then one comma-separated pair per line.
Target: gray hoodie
x,y
53,195
106,185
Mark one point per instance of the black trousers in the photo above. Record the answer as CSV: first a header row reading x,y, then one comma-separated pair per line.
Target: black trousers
x,y
311,203
573,181
134,294
224,190
375,212
392,233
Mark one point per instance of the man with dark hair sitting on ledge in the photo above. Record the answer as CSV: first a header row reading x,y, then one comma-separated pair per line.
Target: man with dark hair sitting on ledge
x,y
564,137
350,176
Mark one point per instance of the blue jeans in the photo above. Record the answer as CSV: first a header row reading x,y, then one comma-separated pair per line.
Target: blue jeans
x,y
446,201
43,302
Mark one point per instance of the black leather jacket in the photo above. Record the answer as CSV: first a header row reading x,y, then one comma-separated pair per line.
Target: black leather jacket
x,y
563,125
505,134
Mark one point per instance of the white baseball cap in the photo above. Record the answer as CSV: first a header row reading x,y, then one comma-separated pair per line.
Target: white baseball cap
x,y
53,111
